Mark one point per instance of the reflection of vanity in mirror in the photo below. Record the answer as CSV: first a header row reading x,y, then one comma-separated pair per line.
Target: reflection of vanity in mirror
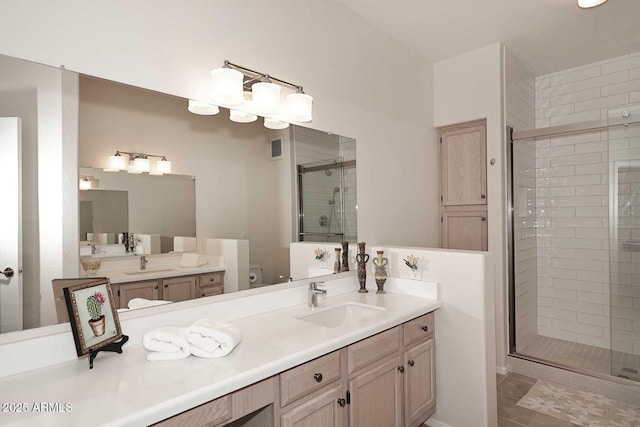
x,y
239,191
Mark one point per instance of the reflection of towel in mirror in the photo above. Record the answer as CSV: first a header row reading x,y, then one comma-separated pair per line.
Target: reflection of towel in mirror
x,y
135,303
209,338
166,343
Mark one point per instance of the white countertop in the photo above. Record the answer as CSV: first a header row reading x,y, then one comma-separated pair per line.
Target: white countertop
x,y
134,275
127,390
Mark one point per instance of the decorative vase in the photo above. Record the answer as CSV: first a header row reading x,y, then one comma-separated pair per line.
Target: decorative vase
x,y
345,256
97,326
380,264
362,259
336,265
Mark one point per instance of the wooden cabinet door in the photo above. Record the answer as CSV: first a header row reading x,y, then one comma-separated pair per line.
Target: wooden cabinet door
x,y
464,230
179,288
419,381
376,395
148,290
463,159
323,410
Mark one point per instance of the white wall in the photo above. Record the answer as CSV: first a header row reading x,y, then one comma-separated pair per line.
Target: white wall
x,y
352,71
469,87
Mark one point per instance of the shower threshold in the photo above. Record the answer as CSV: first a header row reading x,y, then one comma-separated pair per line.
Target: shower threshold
x,y
582,358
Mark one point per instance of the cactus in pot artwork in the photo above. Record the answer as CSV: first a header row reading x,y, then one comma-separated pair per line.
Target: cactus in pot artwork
x,y
94,307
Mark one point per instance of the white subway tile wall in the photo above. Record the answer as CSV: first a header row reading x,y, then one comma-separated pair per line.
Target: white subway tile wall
x,y
584,296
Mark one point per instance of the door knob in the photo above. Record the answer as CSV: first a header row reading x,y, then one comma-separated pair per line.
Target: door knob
x,y
8,272
317,377
342,402
411,362
425,328
401,368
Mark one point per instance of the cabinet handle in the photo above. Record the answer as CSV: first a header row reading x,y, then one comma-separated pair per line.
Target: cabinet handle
x,y
411,362
317,377
155,287
483,196
401,369
166,286
342,402
483,218
425,328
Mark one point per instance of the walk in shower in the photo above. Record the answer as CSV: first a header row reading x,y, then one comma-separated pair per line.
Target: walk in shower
x,y
574,291
327,204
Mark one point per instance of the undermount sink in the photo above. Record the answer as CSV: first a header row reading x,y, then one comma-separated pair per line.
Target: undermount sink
x,y
131,273
338,315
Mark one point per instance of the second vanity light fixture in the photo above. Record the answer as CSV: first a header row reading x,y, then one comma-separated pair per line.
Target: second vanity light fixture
x,y
252,92
586,4
138,163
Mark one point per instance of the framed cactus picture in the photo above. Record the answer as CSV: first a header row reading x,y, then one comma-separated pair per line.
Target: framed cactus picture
x,y
92,314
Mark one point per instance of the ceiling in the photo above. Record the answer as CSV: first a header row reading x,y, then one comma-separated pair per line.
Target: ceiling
x,y
548,35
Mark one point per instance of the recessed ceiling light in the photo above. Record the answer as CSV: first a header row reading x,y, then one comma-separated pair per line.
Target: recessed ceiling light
x,y
585,4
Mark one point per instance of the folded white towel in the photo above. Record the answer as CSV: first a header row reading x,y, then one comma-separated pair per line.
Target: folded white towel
x,y
136,303
166,343
209,338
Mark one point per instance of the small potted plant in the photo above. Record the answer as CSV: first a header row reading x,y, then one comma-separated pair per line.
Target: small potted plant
x,y
94,307
412,262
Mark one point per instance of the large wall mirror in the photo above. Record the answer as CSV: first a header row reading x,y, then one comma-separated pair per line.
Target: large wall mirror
x,y
236,187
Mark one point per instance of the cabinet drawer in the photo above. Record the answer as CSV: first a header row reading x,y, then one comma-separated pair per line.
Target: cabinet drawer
x,y
373,349
212,279
420,327
305,379
211,291
211,414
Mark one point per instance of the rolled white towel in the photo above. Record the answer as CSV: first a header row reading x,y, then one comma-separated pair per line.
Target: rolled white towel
x,y
166,343
209,338
136,303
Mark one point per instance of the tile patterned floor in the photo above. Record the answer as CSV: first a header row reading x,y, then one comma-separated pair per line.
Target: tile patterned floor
x,y
511,388
584,357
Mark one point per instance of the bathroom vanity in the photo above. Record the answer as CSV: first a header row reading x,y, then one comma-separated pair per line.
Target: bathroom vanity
x,y
294,364
175,289
387,379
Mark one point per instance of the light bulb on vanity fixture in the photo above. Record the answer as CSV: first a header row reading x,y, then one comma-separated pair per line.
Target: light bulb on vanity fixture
x,y
202,108
275,124
586,4
139,163
85,183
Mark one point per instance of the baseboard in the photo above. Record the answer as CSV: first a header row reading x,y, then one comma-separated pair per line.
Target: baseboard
x,y
433,422
502,370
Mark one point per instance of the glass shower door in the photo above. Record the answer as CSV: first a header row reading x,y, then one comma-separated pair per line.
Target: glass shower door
x,y
321,199
624,252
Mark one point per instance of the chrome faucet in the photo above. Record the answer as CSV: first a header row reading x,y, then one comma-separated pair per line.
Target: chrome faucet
x,y
313,294
143,262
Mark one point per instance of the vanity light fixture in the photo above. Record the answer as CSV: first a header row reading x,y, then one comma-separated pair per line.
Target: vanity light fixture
x,y
586,4
139,163
228,90
241,116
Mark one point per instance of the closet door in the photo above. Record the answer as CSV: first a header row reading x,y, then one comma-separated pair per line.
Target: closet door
x,y
463,158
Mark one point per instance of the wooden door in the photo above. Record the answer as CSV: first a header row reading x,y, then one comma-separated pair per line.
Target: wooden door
x,y
376,395
148,290
463,159
179,288
419,381
464,230
324,410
